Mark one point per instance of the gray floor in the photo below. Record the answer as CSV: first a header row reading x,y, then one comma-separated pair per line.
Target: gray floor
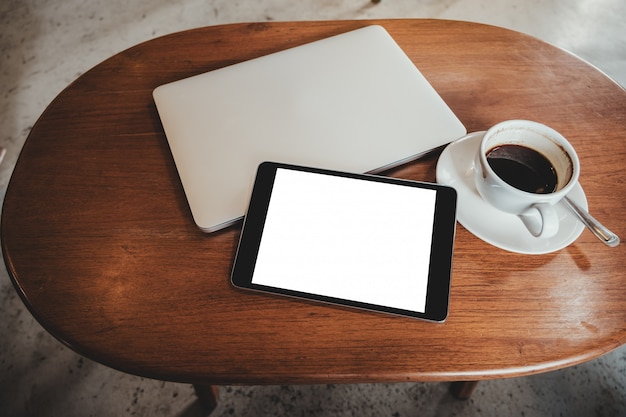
x,y
46,44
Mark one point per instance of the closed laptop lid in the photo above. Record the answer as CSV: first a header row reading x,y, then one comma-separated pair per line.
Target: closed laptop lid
x,y
352,102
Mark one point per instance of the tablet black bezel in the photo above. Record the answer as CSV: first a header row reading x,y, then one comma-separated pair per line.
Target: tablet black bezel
x,y
444,228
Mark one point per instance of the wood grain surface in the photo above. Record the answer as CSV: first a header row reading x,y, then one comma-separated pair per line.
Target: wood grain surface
x,y
101,245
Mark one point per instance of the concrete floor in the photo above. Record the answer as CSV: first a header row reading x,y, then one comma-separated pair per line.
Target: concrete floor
x,y
44,45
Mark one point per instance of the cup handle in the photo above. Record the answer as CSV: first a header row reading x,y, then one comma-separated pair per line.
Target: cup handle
x,y
541,220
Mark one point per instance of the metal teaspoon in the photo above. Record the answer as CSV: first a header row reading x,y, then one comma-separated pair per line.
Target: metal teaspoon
x,y
600,231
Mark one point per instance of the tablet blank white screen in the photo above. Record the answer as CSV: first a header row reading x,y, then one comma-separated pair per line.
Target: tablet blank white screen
x,y
340,237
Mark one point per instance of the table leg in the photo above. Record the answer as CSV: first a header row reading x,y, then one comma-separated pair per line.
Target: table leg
x,y
463,389
208,396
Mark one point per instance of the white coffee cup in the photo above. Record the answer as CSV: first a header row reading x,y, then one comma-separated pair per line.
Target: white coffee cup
x,y
507,146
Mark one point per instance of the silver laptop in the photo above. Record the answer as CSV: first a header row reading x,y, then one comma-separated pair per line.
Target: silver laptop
x,y
353,102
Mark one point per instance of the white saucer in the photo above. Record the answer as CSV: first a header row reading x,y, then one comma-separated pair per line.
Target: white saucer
x,y
506,231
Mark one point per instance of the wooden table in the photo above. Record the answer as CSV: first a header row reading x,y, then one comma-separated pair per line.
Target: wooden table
x,y
100,243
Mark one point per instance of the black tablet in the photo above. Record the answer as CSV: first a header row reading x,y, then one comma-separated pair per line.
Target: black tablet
x,y
356,240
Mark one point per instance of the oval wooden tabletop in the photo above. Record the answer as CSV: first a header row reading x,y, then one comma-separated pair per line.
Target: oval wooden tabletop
x,y
101,245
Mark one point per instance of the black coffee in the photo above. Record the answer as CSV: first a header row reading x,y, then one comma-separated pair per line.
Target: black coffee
x,y
523,168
